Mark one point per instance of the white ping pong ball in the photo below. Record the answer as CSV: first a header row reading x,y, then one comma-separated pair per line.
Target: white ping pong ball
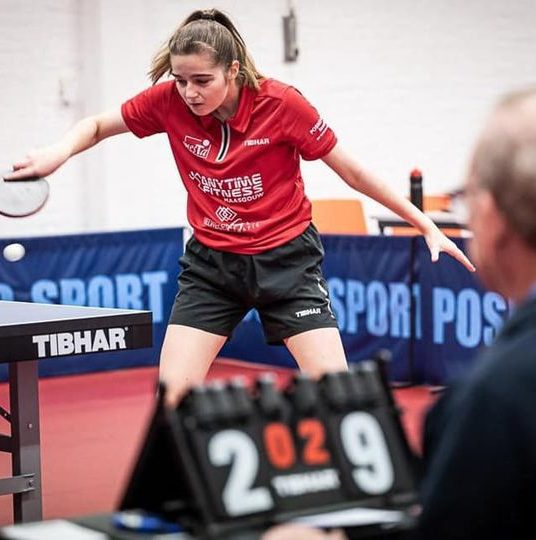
x,y
14,252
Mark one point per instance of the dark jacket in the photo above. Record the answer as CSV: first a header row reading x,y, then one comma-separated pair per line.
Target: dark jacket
x,y
480,444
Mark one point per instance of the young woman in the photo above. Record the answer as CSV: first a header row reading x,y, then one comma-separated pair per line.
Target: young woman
x,y
237,138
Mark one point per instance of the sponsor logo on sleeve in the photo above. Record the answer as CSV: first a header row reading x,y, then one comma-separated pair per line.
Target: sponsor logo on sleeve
x,y
319,129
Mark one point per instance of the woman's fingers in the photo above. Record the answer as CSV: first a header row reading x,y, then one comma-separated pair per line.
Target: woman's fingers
x,y
438,242
20,174
453,250
460,256
22,164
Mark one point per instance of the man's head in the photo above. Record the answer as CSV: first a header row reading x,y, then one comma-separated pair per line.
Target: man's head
x,y
501,192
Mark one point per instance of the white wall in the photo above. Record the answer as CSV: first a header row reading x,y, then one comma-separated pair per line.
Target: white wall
x,y
404,83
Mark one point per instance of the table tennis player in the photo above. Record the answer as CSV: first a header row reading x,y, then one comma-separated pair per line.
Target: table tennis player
x,y
237,138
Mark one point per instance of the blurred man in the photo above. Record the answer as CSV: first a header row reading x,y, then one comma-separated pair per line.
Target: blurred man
x,y
480,437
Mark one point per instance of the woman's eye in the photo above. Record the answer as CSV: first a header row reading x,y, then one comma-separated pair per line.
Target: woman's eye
x,y
180,82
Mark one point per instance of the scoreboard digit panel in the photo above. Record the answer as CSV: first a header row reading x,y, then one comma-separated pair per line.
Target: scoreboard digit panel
x,y
230,461
366,436
369,456
221,427
302,473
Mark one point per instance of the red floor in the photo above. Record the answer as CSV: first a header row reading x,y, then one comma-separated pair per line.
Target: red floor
x,y
92,426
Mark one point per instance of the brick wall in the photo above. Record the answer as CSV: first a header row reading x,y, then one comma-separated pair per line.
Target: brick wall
x,y
404,84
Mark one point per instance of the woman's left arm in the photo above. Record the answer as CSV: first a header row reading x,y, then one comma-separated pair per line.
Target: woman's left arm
x,y
365,182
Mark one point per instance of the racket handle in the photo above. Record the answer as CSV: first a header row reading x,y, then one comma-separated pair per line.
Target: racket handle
x,y
32,178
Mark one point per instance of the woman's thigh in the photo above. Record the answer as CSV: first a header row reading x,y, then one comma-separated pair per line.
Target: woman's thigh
x,y
185,359
318,351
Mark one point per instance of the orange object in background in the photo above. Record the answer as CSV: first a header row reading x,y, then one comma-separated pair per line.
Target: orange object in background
x,y
431,203
339,216
436,203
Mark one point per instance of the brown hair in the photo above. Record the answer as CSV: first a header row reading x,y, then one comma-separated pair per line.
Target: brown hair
x,y
209,31
504,162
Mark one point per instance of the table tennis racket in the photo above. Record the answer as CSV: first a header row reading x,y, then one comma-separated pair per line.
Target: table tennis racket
x,y
21,198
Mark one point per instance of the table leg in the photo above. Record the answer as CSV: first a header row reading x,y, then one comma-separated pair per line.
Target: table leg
x,y
26,460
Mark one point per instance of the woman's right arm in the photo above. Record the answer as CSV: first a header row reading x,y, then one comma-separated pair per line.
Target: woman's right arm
x,y
83,135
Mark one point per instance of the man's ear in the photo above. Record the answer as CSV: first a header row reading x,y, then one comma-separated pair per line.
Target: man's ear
x,y
497,224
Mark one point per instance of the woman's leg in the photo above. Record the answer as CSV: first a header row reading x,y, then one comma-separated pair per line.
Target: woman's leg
x,y
186,356
318,351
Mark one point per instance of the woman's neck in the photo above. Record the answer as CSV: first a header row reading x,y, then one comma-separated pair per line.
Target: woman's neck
x,y
230,104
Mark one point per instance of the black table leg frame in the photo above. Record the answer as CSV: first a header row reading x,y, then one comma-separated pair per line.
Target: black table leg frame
x,y
24,443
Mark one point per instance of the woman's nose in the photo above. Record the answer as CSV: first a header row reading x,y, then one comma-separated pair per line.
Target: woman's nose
x,y
191,90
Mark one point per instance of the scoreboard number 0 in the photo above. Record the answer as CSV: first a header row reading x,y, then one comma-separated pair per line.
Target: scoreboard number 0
x,y
364,444
235,448
280,447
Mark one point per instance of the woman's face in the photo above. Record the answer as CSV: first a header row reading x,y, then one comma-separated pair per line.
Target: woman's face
x,y
204,87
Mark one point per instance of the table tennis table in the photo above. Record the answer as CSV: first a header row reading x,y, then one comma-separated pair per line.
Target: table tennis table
x,y
30,332
444,220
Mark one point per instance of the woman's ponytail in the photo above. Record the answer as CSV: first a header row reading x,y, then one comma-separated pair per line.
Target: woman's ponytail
x,y
209,31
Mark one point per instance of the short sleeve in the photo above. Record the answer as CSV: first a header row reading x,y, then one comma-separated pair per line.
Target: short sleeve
x,y
145,113
304,127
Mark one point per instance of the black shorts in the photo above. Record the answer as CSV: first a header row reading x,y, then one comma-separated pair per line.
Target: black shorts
x,y
285,285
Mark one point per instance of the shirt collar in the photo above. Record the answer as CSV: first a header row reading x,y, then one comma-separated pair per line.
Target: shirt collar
x,y
241,118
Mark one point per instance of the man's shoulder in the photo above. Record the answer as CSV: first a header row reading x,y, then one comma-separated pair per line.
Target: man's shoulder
x,y
507,365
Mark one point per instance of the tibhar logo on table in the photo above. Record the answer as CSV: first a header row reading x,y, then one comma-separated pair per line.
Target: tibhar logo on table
x,y
87,341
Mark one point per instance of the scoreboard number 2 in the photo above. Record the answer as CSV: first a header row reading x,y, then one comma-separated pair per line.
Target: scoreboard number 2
x,y
235,448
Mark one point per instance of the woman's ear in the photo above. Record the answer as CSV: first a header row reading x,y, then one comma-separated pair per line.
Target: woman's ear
x,y
233,70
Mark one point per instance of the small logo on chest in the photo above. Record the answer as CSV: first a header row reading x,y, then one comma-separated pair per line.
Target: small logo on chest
x,y
225,214
257,142
197,147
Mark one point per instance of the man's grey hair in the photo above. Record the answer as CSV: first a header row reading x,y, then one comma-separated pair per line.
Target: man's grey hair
x,y
504,161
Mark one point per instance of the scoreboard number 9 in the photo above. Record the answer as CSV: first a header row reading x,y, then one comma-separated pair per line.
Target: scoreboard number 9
x,y
365,447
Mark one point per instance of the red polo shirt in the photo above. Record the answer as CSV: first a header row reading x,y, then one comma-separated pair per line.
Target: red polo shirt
x,y
245,189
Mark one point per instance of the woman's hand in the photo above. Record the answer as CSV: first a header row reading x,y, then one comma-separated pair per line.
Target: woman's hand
x,y
83,135
40,162
438,242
